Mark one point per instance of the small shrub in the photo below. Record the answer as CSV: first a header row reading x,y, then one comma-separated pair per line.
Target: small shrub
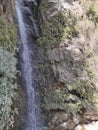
x,y
52,32
84,90
93,15
8,86
8,37
56,29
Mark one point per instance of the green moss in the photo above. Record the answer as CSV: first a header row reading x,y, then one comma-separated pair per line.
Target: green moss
x,y
74,96
93,15
52,32
55,29
8,72
8,85
8,36
44,5
84,90
54,99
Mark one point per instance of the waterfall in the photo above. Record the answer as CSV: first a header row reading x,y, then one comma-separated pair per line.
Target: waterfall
x,y
28,28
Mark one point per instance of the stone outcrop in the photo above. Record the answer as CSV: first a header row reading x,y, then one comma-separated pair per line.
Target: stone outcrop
x,y
69,70
7,9
67,73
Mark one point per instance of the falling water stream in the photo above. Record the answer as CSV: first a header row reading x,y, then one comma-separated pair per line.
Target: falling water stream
x,y
27,28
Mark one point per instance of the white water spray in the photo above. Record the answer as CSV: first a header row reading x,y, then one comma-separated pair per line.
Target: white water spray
x,y
33,110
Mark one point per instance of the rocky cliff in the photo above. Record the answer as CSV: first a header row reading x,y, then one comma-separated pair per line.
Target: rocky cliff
x,y
68,62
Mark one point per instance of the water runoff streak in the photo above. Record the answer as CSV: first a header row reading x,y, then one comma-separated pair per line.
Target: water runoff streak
x,y
27,23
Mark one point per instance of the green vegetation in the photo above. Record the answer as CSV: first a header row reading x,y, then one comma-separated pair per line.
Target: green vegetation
x,y
84,89
55,29
54,99
8,86
44,5
93,15
8,37
52,32
72,97
8,71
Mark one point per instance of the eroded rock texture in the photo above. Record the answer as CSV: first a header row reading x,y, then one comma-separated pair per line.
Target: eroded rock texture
x,y
69,69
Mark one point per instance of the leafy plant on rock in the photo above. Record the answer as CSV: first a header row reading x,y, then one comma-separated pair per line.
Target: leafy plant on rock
x,y
8,86
8,37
